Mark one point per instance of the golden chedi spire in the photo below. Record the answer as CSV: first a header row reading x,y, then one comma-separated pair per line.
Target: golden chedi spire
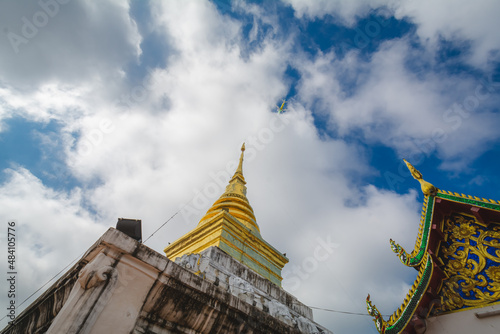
x,y
427,188
230,226
234,200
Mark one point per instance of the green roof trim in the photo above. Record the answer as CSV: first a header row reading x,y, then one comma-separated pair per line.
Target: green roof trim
x,y
412,305
414,259
417,259
402,318
469,201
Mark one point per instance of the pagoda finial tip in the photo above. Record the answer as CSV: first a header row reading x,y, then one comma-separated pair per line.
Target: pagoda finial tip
x,y
239,170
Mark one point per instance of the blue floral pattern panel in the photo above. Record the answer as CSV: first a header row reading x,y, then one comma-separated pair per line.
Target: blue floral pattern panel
x,y
471,260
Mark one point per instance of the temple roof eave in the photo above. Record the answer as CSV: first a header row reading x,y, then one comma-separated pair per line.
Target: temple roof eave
x,y
428,235
400,319
414,258
429,281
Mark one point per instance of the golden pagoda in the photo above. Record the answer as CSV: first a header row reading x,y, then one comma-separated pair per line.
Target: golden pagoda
x,y
231,226
225,279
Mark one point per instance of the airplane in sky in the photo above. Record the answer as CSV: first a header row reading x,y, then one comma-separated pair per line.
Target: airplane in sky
x,y
280,109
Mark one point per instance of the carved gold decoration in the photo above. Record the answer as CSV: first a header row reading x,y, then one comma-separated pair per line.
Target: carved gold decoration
x,y
472,263
494,273
464,230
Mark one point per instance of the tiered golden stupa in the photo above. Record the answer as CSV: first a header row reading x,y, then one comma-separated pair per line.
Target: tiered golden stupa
x,y
231,226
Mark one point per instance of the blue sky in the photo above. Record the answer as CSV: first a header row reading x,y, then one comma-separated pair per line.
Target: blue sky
x,y
129,109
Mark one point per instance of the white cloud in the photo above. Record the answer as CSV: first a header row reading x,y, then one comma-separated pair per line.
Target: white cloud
x,y
147,157
153,162
69,43
460,22
417,114
346,12
476,22
52,228
47,102
362,263
71,65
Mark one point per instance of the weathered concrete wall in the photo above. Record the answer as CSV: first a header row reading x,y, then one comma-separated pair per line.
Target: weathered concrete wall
x,y
466,322
221,269
38,316
122,286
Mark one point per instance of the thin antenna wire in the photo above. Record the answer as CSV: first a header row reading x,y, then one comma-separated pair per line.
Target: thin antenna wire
x,y
162,226
53,278
50,280
175,214
313,307
344,312
169,219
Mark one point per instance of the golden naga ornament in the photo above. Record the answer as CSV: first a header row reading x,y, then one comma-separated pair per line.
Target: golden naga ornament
x,y
427,188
